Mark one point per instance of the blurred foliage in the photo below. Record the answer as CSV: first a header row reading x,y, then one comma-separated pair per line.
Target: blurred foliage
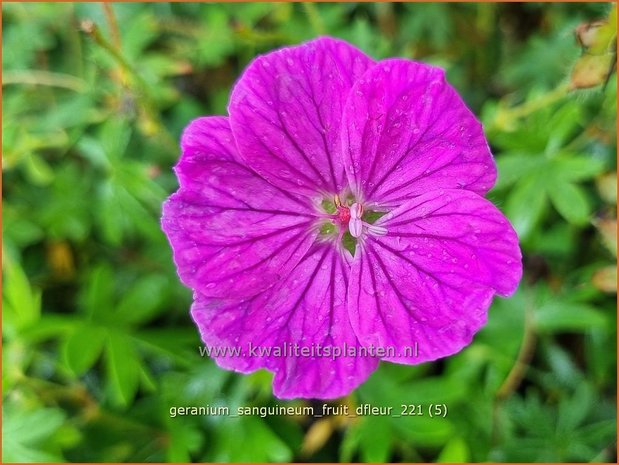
x,y
98,343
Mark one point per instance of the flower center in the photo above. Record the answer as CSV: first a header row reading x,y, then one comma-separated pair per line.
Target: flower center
x,y
343,214
349,218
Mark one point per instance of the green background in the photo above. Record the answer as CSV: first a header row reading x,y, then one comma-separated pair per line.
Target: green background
x,y
97,340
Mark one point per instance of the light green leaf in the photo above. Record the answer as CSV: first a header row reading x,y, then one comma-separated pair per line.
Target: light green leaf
x,y
437,389
572,413
184,439
376,439
38,170
423,430
114,135
260,443
98,299
456,451
123,368
24,432
82,348
142,301
21,304
526,204
215,39
514,166
350,443
568,316
570,201
576,167
563,125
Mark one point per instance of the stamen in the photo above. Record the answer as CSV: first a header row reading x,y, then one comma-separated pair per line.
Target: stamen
x,y
349,217
375,230
356,225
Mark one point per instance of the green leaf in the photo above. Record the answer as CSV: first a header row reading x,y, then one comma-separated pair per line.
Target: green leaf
x,y
215,39
65,209
543,61
24,434
123,368
429,22
500,340
112,217
38,170
350,443
514,166
376,439
574,411
456,451
82,348
18,228
90,149
423,430
51,325
563,125
568,316
184,439
599,432
114,135
437,389
575,167
570,201
21,304
142,301
260,444
98,298
526,204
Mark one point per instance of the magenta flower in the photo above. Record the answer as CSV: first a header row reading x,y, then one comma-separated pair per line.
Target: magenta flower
x,y
339,205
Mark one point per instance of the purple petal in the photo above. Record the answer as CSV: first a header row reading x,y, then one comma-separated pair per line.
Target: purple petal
x,y
232,233
307,308
431,279
286,112
205,138
406,131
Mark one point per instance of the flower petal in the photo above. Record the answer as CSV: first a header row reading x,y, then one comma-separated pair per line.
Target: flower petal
x,y
431,278
205,138
406,131
232,233
307,309
286,113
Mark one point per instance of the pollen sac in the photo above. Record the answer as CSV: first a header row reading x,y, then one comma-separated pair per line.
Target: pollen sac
x,y
355,224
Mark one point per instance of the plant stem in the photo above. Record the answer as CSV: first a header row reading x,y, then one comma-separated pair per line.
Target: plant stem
x,y
113,24
92,30
532,106
148,106
43,78
516,375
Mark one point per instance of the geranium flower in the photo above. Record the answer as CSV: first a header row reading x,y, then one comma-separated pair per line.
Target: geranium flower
x,y
338,205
